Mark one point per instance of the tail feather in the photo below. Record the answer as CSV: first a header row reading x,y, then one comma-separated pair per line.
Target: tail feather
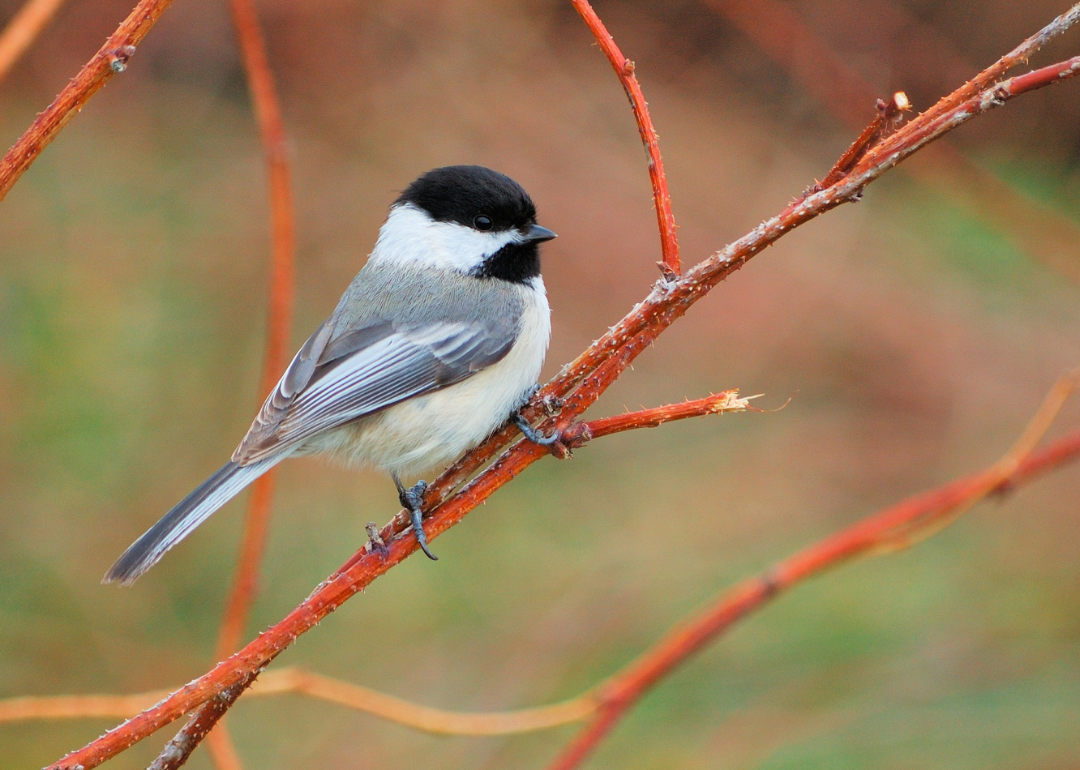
x,y
189,513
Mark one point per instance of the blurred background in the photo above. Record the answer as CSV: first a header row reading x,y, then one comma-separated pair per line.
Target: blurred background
x,y
916,333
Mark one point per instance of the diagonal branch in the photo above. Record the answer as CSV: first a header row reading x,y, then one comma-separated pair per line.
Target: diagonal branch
x,y
624,68
110,59
581,433
889,115
577,387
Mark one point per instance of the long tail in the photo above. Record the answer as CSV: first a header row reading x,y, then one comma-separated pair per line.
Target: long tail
x,y
189,513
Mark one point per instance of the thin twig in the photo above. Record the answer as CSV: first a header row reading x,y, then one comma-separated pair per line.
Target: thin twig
x,y
889,114
580,433
23,29
900,524
578,386
423,718
298,681
624,68
283,231
110,59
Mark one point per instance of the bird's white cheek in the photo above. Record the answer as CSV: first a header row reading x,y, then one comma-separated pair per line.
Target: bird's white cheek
x,y
409,236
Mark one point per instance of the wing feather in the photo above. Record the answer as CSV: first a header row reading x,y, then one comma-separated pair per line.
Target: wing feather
x,y
366,370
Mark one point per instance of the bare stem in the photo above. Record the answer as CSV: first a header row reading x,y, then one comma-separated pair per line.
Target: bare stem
x,y
890,113
926,511
777,29
624,68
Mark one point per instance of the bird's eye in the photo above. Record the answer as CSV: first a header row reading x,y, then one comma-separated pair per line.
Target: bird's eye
x,y
482,222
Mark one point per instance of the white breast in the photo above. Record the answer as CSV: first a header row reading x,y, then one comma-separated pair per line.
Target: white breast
x,y
411,237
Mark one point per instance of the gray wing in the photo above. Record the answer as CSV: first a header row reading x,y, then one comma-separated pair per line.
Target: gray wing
x,y
330,383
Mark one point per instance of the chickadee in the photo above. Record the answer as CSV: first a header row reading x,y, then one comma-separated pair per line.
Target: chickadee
x,y
436,342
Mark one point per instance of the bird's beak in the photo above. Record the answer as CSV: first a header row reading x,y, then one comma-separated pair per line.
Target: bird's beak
x,y
537,234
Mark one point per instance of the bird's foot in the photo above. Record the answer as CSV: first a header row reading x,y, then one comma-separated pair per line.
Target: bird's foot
x,y
412,500
533,434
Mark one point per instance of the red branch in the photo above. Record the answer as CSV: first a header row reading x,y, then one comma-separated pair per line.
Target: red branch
x,y
624,68
110,59
272,128
581,433
580,383
622,691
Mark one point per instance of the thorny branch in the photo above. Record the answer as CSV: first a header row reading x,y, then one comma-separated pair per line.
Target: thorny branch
x,y
562,400
889,115
777,30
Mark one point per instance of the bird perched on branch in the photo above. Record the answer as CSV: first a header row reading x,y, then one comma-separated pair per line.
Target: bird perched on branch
x,y
435,343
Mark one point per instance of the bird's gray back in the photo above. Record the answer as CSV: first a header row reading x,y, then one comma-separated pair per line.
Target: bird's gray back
x,y
417,296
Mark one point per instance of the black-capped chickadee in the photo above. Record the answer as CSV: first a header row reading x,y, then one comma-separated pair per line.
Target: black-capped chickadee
x,y
435,343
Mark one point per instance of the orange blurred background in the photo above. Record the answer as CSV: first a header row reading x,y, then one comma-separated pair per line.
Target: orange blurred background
x,y
916,332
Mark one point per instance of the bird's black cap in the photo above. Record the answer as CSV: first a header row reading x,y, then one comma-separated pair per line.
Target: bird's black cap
x,y
462,193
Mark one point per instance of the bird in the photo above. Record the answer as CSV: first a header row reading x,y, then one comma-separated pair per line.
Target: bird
x,y
436,343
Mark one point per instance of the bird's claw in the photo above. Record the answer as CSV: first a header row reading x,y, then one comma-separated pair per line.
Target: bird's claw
x,y
533,435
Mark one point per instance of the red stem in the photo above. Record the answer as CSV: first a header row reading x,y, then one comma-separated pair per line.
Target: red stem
x,y
580,433
624,68
177,751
